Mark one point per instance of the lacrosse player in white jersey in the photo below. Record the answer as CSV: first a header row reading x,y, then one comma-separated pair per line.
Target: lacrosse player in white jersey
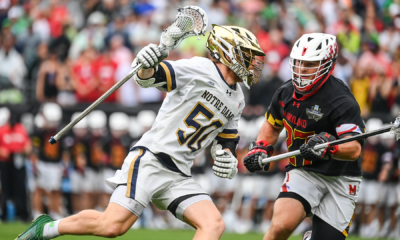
x,y
203,105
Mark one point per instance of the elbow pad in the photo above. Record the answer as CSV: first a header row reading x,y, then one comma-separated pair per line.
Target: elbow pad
x,y
150,82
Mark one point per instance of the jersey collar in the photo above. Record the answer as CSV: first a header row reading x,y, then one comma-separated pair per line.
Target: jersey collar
x,y
233,87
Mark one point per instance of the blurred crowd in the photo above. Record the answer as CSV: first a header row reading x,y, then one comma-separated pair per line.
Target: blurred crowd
x,y
57,56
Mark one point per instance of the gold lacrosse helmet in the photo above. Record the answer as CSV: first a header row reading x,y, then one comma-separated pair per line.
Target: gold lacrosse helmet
x,y
238,49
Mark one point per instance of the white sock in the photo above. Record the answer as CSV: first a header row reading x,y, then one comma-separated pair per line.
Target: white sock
x,y
50,230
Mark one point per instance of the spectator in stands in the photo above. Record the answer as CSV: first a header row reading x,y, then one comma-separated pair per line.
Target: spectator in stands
x,y
12,71
66,87
117,27
14,146
359,84
105,72
83,76
389,39
58,16
349,37
46,86
91,36
379,94
61,44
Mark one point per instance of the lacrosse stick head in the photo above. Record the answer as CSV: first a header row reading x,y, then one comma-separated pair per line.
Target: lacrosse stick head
x,y
396,128
190,21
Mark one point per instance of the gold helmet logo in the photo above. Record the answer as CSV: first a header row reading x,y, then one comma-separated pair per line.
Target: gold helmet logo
x,y
238,49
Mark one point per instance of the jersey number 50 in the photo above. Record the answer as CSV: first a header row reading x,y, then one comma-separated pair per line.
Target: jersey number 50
x,y
191,122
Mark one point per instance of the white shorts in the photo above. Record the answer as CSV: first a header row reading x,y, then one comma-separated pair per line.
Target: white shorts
x,y
49,176
146,180
79,182
268,186
333,199
367,188
387,194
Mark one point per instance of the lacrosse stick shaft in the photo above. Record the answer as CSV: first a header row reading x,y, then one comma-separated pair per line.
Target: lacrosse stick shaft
x,y
94,104
330,144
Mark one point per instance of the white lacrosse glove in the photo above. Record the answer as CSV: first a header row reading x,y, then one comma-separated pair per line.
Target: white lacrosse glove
x,y
150,56
225,164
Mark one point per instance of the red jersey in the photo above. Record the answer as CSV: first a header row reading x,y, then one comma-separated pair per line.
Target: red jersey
x,y
105,73
13,140
84,73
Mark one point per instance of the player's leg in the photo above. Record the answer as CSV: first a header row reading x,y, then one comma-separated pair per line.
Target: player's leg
x,y
333,216
206,219
115,221
185,199
288,214
300,193
120,215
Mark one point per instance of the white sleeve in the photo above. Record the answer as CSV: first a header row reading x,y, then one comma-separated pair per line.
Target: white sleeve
x,y
181,72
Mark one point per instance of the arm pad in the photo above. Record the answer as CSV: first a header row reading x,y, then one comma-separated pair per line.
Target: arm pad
x,y
158,80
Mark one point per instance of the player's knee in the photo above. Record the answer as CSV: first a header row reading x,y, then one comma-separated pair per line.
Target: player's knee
x,y
216,225
280,229
220,225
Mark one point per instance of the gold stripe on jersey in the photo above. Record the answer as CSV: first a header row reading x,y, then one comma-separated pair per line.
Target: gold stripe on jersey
x,y
228,135
168,75
131,169
274,121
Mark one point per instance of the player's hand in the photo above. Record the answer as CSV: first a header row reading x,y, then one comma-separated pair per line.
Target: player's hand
x,y
310,154
150,56
258,150
225,164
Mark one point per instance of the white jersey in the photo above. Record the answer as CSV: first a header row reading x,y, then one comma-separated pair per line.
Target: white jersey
x,y
199,107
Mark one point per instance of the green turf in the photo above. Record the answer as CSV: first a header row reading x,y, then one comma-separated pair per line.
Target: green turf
x,y
9,231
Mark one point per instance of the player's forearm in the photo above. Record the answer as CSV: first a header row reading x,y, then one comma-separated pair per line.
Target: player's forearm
x,y
146,73
348,151
269,133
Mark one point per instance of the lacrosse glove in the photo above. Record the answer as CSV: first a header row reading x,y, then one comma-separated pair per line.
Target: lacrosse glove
x,y
258,150
150,56
310,154
225,163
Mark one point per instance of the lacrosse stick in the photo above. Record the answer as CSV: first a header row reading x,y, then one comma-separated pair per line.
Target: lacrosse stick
x,y
190,21
392,128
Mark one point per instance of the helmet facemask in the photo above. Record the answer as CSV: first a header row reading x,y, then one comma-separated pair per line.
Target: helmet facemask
x,y
312,61
244,61
306,82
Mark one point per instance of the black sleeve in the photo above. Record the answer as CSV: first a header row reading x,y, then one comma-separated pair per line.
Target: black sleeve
x,y
347,119
274,112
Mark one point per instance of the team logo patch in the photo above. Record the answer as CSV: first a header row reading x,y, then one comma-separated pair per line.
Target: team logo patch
x,y
352,190
211,83
314,113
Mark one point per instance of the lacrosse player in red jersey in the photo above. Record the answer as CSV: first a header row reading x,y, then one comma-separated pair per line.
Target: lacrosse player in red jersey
x,y
203,105
314,107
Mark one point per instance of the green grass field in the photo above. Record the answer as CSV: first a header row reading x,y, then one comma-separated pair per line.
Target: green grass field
x,y
9,231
